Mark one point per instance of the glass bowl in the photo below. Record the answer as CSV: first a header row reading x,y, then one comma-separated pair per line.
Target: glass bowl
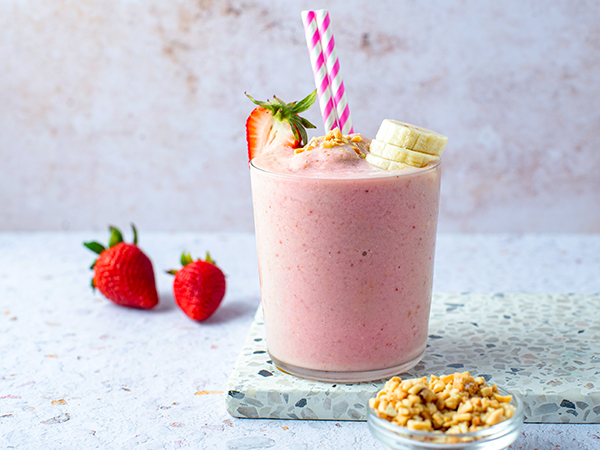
x,y
496,437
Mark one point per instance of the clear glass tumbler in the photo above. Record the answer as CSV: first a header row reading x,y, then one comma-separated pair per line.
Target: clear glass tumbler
x,y
346,270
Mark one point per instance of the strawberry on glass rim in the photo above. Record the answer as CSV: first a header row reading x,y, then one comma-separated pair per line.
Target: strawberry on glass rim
x,y
275,122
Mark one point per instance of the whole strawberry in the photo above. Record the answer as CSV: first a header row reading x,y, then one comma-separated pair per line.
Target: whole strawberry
x,y
199,287
123,273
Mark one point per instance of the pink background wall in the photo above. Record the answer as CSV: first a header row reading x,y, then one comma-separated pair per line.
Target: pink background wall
x,y
117,111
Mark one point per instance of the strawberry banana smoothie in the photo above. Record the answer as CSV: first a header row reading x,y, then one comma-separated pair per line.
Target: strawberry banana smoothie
x,y
345,251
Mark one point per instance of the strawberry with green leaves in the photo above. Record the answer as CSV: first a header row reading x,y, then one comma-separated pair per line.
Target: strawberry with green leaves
x,y
199,287
275,122
123,273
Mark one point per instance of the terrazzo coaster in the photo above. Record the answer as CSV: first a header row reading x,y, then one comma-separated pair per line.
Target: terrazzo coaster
x,y
543,347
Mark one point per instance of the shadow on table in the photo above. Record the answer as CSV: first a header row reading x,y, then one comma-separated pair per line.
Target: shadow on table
x,y
234,310
166,302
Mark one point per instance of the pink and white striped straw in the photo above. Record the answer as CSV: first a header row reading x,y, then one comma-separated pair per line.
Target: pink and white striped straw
x,y
317,60
333,71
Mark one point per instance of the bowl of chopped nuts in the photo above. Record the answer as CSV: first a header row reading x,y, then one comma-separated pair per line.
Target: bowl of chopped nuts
x,y
450,412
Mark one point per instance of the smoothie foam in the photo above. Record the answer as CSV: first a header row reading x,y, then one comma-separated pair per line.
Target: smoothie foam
x,y
346,257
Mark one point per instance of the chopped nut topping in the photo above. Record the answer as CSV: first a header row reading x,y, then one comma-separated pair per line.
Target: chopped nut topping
x,y
456,403
334,135
333,138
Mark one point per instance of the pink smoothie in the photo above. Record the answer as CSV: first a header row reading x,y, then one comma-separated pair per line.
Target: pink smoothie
x,y
345,254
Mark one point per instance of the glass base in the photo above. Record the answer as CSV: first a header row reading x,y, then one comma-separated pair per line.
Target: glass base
x,y
345,377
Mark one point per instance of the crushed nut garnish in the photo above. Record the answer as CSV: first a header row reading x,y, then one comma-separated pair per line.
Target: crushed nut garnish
x,y
333,138
456,403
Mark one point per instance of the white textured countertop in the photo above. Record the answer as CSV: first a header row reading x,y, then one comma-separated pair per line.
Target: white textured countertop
x,y
77,371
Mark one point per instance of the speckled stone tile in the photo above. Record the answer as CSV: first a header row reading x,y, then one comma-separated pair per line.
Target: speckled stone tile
x,y
544,347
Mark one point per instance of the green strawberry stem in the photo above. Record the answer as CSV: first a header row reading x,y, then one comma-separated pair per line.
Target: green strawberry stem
x,y
115,237
209,259
96,247
288,112
186,259
304,104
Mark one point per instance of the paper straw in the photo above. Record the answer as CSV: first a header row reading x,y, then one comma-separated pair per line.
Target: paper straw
x,y
333,71
313,41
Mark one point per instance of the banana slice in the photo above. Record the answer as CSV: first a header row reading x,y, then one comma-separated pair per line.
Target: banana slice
x,y
399,154
383,163
411,137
